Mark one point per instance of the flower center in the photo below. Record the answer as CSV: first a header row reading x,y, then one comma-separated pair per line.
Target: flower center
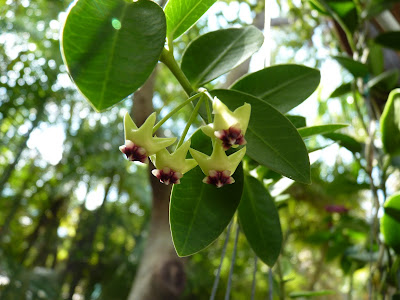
x,y
167,176
219,178
230,137
134,152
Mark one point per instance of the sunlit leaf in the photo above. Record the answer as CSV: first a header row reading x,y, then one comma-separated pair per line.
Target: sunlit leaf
x,y
183,14
217,52
282,86
111,47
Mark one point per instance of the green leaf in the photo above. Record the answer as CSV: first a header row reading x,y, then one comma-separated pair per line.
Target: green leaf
x,y
343,89
201,142
390,123
319,129
345,141
354,67
385,81
310,294
271,139
346,11
259,220
282,86
393,212
389,39
217,52
297,121
111,47
200,212
375,58
183,14
315,4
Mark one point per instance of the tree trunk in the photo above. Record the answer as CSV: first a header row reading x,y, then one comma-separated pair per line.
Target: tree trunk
x,y
161,272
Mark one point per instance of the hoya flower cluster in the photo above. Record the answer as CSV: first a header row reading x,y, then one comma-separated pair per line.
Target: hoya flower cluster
x,y
227,130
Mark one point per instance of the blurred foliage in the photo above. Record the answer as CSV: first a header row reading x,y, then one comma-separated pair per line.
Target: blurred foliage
x,y
75,221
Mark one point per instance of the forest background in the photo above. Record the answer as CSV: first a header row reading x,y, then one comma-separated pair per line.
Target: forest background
x,y
75,215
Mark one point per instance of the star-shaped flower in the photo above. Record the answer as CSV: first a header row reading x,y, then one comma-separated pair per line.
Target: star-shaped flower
x,y
140,142
218,167
172,166
228,126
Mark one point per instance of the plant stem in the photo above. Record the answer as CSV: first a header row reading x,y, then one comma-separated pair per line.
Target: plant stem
x,y
357,106
175,110
168,59
229,285
209,116
217,277
189,123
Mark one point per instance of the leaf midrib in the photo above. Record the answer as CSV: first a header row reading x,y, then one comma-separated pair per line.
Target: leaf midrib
x,y
252,204
192,221
110,61
282,86
210,66
184,18
278,154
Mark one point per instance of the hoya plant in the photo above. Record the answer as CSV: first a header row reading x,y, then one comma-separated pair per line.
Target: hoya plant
x,y
112,46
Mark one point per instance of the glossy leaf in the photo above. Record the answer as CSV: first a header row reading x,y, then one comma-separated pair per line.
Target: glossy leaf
x,y
111,47
343,89
201,142
345,141
297,121
200,212
390,123
319,129
272,140
393,212
217,52
354,67
259,220
282,86
183,14
389,39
